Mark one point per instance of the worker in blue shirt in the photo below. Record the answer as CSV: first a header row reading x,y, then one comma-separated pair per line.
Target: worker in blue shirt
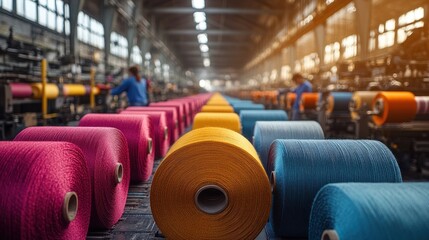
x,y
136,88
303,86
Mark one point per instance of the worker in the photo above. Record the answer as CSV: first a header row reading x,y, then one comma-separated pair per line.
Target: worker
x,y
303,86
135,86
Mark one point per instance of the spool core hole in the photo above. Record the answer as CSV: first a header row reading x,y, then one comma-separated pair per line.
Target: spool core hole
x,y
149,145
119,172
70,206
330,235
273,181
211,199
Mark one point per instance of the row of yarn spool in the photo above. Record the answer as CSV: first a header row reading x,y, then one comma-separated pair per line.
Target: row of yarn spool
x,y
384,107
309,178
25,90
58,182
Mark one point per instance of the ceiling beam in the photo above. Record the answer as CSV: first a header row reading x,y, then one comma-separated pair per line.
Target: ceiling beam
x,y
210,32
212,10
215,44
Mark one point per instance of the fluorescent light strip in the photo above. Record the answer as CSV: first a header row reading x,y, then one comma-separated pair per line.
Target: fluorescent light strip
x,y
202,38
199,17
202,26
206,62
204,48
198,4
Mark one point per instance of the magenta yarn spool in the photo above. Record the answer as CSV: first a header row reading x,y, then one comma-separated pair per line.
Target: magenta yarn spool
x,y
136,130
172,120
180,108
191,108
159,128
106,153
21,90
45,191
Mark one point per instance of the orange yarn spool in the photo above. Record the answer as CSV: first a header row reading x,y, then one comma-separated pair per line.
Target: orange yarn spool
x,y
394,107
290,100
308,101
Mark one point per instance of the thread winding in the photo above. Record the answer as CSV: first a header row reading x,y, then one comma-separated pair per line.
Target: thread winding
x,y
224,120
249,118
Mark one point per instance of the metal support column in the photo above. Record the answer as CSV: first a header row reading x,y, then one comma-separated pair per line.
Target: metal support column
x,y
109,17
75,8
363,23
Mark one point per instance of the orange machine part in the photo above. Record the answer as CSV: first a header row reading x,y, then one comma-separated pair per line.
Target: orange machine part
x,y
398,107
308,101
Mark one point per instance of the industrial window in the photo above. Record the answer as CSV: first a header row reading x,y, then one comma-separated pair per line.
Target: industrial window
x,y
118,45
372,41
53,14
409,21
386,36
286,72
7,5
332,53
349,45
310,62
136,56
90,31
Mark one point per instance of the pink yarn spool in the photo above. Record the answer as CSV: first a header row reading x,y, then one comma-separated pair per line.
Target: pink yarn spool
x,y
191,108
106,153
21,90
136,130
180,109
45,191
172,121
159,128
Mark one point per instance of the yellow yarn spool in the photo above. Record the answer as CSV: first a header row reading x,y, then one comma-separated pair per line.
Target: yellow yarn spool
x,y
217,100
229,121
52,90
211,185
359,100
218,109
74,90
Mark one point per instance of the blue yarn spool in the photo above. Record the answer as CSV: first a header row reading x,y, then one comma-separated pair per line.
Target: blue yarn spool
x,y
371,211
238,107
266,132
338,102
248,119
302,167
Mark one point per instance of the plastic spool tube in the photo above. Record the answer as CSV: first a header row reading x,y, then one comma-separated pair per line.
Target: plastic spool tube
x,y
338,103
217,109
74,90
179,110
229,121
210,178
394,107
171,117
159,130
21,90
290,98
249,118
370,211
308,101
106,153
360,100
45,191
266,132
137,131
52,90
422,105
302,167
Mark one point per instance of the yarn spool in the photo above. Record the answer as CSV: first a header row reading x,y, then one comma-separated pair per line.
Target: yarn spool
x,y
229,121
52,90
106,153
21,90
266,132
248,119
186,110
74,90
159,130
45,191
210,178
179,110
361,100
217,109
308,101
338,103
171,117
378,210
302,167
394,107
422,105
246,106
290,100
137,131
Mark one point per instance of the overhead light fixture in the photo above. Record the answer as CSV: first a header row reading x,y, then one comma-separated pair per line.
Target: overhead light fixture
x,y
202,38
206,62
202,26
198,4
199,17
204,48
